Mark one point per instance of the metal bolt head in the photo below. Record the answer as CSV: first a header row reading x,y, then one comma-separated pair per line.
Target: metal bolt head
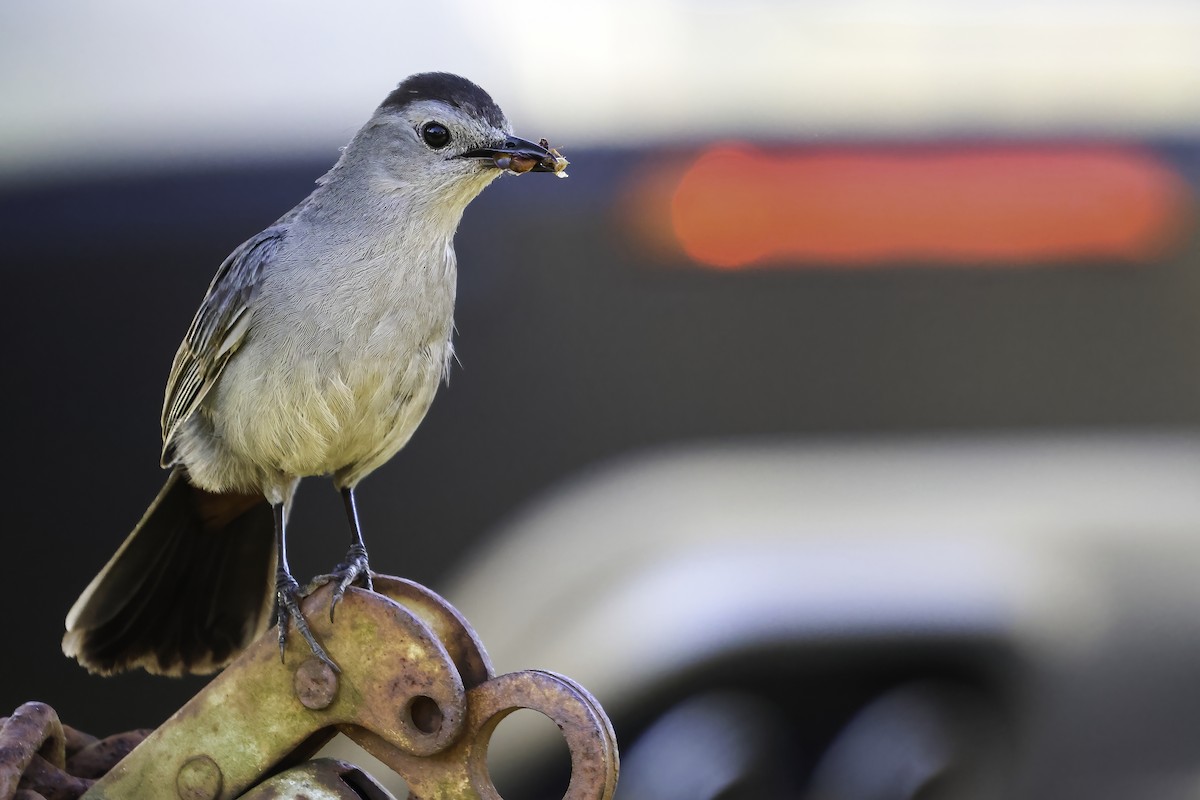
x,y
198,779
315,684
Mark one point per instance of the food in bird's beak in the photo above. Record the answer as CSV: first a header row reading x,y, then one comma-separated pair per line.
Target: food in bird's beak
x,y
551,162
520,156
517,164
554,162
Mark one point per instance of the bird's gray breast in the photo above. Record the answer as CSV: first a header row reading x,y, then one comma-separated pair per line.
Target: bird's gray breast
x,y
344,355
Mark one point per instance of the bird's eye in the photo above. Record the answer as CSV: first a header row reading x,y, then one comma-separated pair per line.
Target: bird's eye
x,y
435,135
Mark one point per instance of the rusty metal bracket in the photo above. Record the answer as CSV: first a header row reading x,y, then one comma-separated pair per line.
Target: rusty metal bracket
x,y
322,779
416,689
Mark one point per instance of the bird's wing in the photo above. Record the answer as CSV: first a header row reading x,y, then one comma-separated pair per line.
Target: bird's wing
x,y
216,332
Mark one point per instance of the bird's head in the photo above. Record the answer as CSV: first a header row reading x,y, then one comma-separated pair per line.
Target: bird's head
x,y
440,130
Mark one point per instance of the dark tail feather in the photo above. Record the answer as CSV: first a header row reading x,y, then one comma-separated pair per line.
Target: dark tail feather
x,y
188,590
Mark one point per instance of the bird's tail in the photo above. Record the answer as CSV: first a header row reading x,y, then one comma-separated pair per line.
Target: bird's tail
x,y
189,588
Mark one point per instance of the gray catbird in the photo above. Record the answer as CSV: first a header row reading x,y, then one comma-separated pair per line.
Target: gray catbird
x,y
316,351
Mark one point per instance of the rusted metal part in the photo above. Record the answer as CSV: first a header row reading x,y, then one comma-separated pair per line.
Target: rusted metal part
x,y
33,745
52,782
97,758
451,628
199,779
77,740
315,684
323,779
249,719
42,758
461,773
416,689
33,729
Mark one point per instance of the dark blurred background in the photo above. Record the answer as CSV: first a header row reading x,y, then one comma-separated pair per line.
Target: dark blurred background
x,y
888,258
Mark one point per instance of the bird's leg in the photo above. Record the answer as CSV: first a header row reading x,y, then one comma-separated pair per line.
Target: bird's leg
x,y
355,566
287,597
356,556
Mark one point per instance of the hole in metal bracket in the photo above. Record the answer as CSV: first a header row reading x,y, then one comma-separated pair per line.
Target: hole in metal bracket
x,y
425,714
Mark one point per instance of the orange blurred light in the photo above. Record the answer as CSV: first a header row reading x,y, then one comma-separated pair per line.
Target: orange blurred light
x,y
736,205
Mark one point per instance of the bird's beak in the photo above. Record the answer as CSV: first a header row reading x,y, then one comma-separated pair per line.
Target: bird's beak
x,y
520,155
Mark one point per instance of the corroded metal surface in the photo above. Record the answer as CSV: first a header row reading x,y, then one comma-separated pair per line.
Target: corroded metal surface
x,y
248,719
50,781
32,730
315,684
450,627
323,779
96,757
416,689
461,772
40,758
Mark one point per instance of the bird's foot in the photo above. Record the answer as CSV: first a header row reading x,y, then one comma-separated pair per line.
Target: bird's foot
x,y
287,611
353,570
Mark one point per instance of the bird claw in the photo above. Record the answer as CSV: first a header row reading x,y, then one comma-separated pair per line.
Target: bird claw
x,y
350,571
287,611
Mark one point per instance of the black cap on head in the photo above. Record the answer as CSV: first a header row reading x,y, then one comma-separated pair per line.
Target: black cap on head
x,y
452,89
